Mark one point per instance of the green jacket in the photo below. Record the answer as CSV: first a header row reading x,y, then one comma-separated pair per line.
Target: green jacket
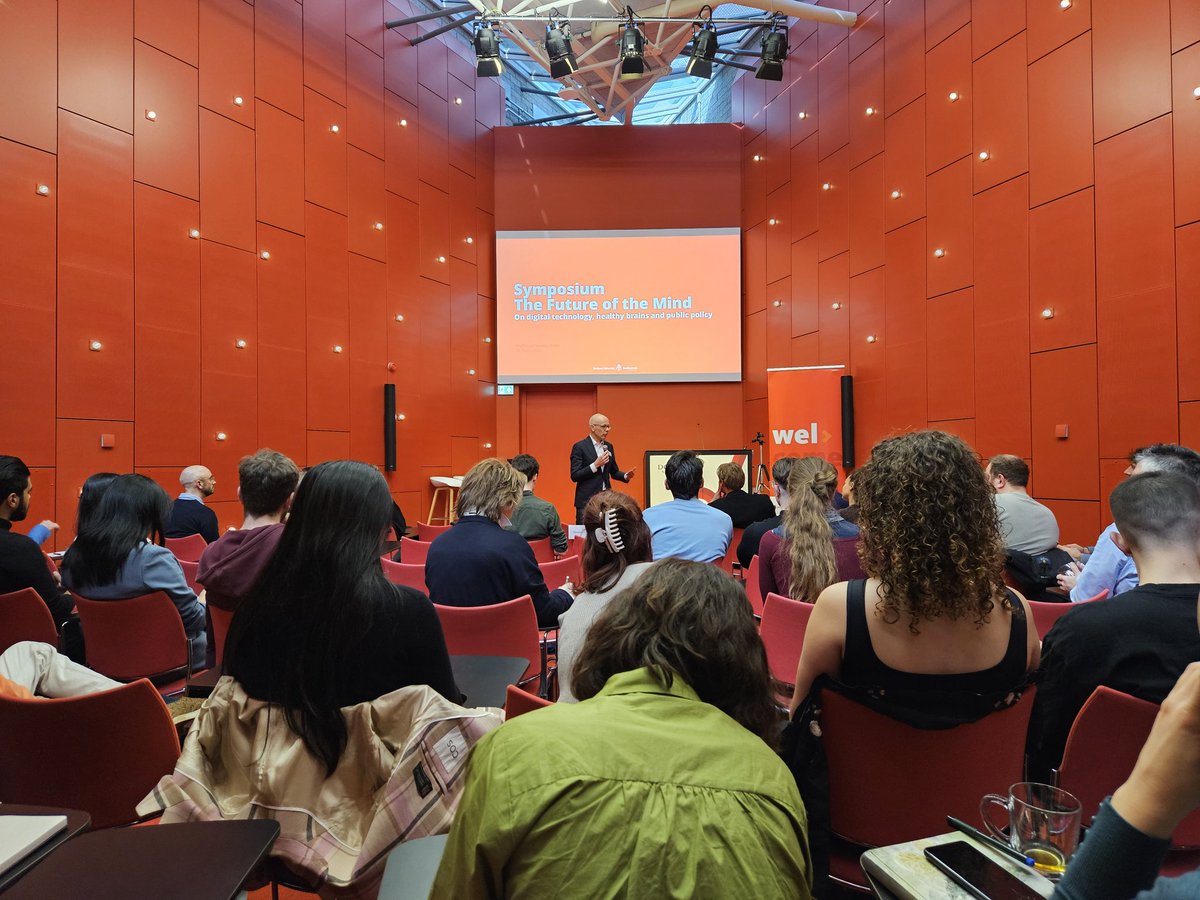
x,y
640,792
535,518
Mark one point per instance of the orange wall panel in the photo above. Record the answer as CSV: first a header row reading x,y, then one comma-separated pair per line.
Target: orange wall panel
x,y
95,269
326,278
903,51
1078,520
1067,468
833,287
95,60
460,125
778,136
754,181
165,150
1185,24
1186,128
463,218
943,18
951,361
1187,274
904,166
1131,79
993,22
866,105
27,226
27,57
434,238
28,372
867,215
1060,122
778,234
227,59
948,253
805,189
833,73
326,445
278,54
904,338
802,101
1051,26
779,323
833,205
226,181
367,205
948,121
279,168
1000,114
80,455
364,99
169,25
1062,272
325,48
400,123
324,152
433,146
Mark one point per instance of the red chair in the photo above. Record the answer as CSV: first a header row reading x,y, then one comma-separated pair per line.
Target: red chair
x,y
189,548
414,553
753,588
408,574
890,783
220,619
1046,614
500,629
142,637
190,571
782,630
542,551
100,752
726,562
558,571
1101,749
518,702
427,533
25,617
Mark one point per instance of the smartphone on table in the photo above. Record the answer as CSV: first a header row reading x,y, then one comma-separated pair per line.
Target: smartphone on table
x,y
978,874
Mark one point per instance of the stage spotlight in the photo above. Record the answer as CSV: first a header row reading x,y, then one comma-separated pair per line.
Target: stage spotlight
x,y
704,51
558,48
633,44
774,52
488,63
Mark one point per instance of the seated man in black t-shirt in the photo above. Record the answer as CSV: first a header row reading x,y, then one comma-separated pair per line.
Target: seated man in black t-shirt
x,y
1138,642
22,563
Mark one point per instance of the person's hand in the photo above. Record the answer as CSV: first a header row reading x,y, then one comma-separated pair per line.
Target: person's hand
x,y
1075,551
603,459
568,587
57,576
629,474
1165,783
49,526
1069,575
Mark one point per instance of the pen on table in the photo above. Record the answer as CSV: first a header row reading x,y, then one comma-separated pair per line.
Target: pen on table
x,y
970,831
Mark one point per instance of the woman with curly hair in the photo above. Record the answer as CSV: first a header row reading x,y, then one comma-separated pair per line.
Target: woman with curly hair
x,y
662,782
814,546
934,614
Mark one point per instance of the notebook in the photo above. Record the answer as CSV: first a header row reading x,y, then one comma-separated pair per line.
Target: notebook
x,y
904,871
21,835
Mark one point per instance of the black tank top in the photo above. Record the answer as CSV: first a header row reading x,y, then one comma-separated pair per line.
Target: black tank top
x,y
861,667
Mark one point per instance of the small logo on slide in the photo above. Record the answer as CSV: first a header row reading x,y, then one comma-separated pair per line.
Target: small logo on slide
x,y
618,367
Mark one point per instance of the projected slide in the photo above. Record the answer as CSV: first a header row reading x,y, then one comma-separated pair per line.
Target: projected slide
x,y
604,306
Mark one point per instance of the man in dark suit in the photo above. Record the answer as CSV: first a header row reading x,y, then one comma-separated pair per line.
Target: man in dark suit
x,y
594,464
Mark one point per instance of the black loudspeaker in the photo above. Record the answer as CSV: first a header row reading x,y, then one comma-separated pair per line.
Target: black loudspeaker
x,y
847,422
389,427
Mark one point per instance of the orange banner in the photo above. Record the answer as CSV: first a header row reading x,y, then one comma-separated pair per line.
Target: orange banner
x,y
804,411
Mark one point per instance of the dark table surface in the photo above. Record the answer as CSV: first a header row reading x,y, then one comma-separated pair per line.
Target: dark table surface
x,y
484,679
77,823
188,861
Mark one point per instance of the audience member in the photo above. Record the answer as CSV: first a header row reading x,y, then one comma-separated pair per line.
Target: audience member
x,y
341,705
594,464
686,527
744,509
1025,524
933,614
477,562
849,512
615,554
32,669
1130,836
117,554
673,735
1107,568
748,546
814,546
22,564
230,565
1140,641
89,497
535,518
189,515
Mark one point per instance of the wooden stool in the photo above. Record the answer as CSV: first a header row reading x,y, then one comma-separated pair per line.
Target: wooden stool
x,y
443,487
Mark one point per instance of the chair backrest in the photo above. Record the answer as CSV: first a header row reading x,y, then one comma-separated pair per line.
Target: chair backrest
x,y
190,570
753,588
783,624
1103,745
557,571
189,548
25,617
726,562
220,619
542,551
1046,614
501,629
408,574
414,553
100,752
139,637
890,782
427,532
518,702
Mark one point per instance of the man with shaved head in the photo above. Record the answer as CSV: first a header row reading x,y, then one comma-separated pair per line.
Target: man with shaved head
x,y
189,515
594,464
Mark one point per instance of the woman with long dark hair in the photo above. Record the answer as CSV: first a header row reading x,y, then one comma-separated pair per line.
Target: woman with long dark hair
x,y
616,552
322,628
674,733
118,554
89,496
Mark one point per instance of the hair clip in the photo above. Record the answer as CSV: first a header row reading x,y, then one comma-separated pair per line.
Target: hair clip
x,y
612,531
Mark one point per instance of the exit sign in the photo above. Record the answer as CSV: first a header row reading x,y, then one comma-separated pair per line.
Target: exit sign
x,y
504,390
